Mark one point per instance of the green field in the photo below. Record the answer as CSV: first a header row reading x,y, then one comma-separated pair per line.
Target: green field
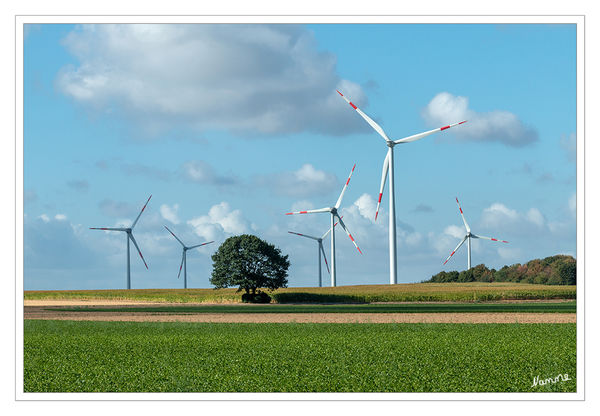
x,y
408,292
71,356
545,307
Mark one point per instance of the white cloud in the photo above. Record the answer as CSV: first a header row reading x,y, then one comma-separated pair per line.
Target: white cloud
x,y
573,204
455,231
170,213
366,206
60,217
220,220
497,215
569,144
202,172
265,79
535,216
495,126
44,218
305,182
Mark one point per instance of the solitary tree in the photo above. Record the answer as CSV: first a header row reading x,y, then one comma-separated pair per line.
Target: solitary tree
x,y
250,263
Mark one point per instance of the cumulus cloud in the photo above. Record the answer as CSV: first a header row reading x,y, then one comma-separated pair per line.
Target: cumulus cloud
x,y
221,220
455,231
495,126
170,213
535,216
497,215
305,182
250,79
199,171
53,243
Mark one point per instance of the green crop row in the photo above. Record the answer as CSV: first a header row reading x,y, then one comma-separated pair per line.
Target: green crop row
x,y
70,356
540,307
410,292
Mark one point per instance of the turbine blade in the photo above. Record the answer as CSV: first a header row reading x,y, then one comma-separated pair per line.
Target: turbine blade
x,y
419,136
457,247
489,238
140,214
463,217
138,249
368,119
339,201
384,172
324,257
309,211
200,245
328,231
108,229
181,265
349,235
173,234
304,235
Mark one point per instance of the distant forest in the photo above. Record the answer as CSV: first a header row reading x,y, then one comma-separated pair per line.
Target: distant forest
x,y
554,270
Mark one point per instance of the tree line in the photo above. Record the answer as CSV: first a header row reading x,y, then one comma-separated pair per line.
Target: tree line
x,y
553,270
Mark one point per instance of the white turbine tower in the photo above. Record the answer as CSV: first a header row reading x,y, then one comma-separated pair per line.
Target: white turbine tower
x,y
334,213
320,250
129,231
468,237
184,256
388,166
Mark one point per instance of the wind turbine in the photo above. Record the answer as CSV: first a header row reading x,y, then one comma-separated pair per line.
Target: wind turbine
x,y
184,257
320,250
334,213
468,239
388,166
129,231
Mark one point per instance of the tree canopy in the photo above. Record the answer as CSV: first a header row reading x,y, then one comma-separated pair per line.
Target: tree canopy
x,y
553,270
250,263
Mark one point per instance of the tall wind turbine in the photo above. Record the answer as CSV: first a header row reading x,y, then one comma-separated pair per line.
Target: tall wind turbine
x,y
334,213
320,249
388,166
468,237
129,232
184,256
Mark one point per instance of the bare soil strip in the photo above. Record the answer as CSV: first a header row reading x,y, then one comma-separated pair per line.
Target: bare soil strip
x,y
474,318
125,302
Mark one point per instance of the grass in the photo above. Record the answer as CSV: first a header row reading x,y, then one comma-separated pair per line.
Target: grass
x,y
408,292
69,356
562,307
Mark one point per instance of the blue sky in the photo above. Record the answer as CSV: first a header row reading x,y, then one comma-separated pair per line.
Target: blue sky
x,y
231,126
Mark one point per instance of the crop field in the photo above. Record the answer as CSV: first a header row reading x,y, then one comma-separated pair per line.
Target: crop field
x,y
545,307
70,356
408,292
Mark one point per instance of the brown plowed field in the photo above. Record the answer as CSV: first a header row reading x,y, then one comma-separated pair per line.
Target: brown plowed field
x,y
45,312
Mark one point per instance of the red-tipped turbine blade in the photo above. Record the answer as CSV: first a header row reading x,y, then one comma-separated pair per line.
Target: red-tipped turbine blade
x,y
138,249
457,247
368,119
384,172
140,214
339,201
